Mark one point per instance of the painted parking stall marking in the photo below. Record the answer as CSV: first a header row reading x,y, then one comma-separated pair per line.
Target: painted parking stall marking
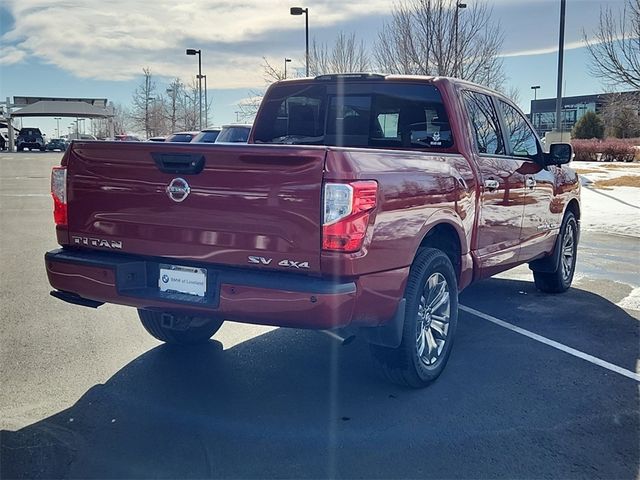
x,y
552,343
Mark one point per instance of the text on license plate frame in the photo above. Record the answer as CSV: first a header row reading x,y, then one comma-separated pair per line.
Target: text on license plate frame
x,y
183,279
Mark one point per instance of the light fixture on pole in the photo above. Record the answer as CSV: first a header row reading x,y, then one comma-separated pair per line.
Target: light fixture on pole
x,y
206,103
191,51
286,60
57,119
457,64
535,97
535,91
300,11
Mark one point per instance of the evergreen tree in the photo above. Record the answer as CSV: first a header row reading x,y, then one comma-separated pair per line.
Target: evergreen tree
x,y
589,126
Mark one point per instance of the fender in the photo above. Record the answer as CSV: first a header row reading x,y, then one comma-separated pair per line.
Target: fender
x,y
448,217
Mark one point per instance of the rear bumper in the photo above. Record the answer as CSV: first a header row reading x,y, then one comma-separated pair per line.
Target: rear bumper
x,y
261,297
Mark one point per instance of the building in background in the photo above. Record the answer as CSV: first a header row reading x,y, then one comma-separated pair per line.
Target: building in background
x,y
543,111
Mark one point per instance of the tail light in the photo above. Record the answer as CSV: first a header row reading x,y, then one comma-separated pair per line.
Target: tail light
x,y
59,194
347,207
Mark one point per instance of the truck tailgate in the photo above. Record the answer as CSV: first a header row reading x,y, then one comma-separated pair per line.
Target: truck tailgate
x,y
258,201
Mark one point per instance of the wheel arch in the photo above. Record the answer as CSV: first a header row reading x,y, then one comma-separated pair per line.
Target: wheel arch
x,y
574,207
445,236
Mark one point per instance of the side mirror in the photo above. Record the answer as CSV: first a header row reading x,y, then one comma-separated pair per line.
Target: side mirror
x,y
559,154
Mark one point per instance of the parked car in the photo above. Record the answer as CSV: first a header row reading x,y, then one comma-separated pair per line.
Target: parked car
x,y
207,135
183,137
156,139
235,133
81,136
30,138
56,144
126,138
363,204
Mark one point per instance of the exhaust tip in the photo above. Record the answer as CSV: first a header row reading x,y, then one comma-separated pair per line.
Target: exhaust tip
x,y
339,338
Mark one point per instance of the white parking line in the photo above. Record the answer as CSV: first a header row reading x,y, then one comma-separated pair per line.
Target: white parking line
x,y
25,194
554,344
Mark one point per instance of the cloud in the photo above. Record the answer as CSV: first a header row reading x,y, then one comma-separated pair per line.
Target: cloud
x,y
545,50
11,55
114,40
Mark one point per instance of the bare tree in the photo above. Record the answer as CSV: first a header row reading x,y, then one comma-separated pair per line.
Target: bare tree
x,y
347,55
248,107
142,100
615,47
432,37
187,110
100,126
271,73
620,115
175,90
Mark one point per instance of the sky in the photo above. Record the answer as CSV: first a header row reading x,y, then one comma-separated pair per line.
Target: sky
x,y
97,49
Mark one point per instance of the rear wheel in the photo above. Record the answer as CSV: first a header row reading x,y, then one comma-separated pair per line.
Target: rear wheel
x,y
179,329
560,280
431,317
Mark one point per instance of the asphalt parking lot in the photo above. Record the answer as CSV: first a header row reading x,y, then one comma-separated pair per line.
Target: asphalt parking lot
x,y
552,392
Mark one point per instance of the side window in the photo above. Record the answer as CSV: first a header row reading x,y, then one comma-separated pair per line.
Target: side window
x,y
485,124
522,140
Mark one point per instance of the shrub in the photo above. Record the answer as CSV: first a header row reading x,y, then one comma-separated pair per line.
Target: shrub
x,y
589,126
586,150
617,150
609,150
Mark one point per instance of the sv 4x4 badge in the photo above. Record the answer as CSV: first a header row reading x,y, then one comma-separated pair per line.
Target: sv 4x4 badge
x,y
282,263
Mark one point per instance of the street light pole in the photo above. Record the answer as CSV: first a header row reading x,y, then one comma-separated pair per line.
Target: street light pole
x,y
286,60
563,5
57,119
206,103
191,51
457,64
300,11
535,97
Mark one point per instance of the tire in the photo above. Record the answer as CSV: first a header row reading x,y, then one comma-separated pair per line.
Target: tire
x,y
186,330
420,358
560,280
42,149
20,149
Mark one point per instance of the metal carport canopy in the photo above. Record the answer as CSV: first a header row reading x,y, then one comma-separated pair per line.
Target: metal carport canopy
x,y
48,108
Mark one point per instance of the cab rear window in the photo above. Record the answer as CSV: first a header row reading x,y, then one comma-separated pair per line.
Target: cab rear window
x,y
352,114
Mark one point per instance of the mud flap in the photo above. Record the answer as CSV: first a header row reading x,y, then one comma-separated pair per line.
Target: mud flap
x,y
390,333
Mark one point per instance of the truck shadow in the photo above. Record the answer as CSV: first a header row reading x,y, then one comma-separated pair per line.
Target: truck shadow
x,y
294,404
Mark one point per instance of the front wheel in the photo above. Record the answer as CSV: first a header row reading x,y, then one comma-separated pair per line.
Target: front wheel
x,y
431,317
179,329
560,280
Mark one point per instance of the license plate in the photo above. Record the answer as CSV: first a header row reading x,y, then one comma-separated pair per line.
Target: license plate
x,y
189,280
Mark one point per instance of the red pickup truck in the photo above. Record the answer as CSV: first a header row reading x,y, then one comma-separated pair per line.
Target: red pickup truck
x,y
362,203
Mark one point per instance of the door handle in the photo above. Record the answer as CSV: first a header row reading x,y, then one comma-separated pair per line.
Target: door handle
x,y
491,184
530,182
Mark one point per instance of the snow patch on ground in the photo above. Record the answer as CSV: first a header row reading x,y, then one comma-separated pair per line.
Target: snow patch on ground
x,y
611,210
632,301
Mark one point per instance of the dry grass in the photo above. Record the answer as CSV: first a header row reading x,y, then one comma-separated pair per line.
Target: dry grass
x,y
623,165
623,181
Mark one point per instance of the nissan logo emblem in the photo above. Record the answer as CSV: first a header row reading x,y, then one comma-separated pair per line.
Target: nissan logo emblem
x,y
178,189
